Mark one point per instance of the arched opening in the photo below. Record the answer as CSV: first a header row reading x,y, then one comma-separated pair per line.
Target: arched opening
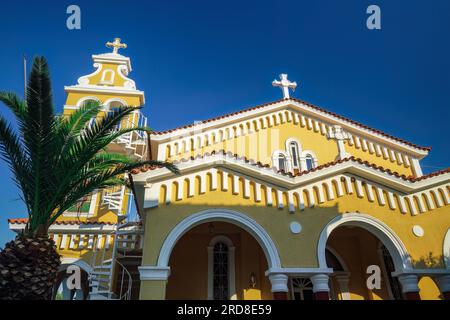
x,y
361,243
218,261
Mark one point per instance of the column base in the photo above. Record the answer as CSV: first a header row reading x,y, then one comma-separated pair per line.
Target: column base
x,y
280,296
412,295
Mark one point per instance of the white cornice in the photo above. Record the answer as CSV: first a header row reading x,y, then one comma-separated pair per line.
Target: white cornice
x,y
113,58
270,175
106,90
305,109
70,228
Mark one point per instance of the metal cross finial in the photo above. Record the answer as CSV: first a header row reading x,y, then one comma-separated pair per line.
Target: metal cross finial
x,y
285,85
116,45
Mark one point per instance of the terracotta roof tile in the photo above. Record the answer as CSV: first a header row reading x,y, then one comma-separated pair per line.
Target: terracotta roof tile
x,y
305,103
60,222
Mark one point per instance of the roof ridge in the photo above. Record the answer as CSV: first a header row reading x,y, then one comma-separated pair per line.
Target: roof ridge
x,y
302,102
282,172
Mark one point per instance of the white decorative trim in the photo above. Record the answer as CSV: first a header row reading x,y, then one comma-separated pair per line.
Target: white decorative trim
x,y
295,227
304,110
418,231
320,282
303,157
446,249
84,80
303,272
279,282
231,268
399,254
70,228
86,98
153,273
107,103
275,160
111,77
224,215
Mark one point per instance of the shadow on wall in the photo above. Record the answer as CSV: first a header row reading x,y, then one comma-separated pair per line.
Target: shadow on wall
x,y
429,261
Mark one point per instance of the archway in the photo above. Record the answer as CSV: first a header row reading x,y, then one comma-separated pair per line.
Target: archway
x,y
363,242
218,255
221,215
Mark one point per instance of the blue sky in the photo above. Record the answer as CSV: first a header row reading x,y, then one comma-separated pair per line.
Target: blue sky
x,y
199,59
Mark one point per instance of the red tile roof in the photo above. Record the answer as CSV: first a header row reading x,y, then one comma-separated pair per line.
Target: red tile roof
x,y
61,222
305,103
323,166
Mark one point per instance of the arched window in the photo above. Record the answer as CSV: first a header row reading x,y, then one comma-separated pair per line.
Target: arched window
x,y
281,162
293,149
114,106
309,160
302,289
389,267
221,269
88,102
220,272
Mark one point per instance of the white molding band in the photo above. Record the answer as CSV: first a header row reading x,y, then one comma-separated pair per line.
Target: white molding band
x,y
154,273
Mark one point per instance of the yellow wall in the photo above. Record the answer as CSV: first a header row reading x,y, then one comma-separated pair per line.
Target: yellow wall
x,y
260,146
301,250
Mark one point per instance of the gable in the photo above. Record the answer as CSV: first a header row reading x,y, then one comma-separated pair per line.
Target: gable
x,y
259,133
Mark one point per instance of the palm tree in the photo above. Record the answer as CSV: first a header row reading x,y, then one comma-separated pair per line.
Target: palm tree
x,y
55,161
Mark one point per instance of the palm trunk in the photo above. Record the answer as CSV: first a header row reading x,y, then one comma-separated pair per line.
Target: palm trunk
x,y
28,269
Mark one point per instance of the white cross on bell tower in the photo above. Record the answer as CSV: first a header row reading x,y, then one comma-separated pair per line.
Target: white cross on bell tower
x,y
116,45
285,85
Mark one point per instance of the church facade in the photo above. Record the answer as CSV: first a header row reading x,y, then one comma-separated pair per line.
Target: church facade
x,y
284,200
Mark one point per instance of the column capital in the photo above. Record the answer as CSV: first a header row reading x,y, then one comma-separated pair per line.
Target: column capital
x,y
279,282
320,282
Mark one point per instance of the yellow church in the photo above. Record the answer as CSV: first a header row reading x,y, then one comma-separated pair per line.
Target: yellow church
x,y
284,200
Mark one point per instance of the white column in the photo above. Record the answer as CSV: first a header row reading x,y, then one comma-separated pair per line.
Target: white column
x,y
409,282
320,282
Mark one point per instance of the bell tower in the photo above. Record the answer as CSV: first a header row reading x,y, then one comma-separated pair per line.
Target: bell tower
x,y
110,86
